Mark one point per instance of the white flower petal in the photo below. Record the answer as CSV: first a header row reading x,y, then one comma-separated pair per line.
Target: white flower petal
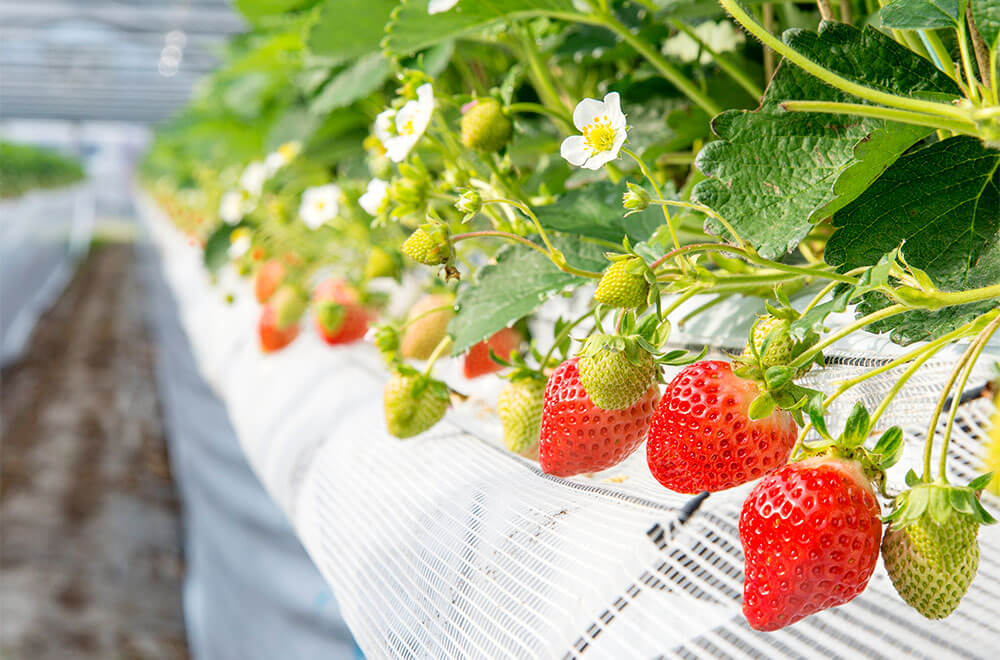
x,y
375,196
383,124
613,104
398,148
575,150
253,178
586,112
231,207
599,160
438,6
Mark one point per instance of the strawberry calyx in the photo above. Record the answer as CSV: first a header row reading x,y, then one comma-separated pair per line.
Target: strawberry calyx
x,y
330,315
940,501
849,445
423,382
289,302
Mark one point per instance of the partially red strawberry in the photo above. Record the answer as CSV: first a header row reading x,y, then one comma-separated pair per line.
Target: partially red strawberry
x,y
702,437
577,436
267,280
340,316
272,336
477,361
810,534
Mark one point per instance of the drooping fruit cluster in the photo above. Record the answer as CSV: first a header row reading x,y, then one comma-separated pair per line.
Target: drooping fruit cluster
x,y
615,372
931,550
702,437
484,126
519,407
413,402
340,316
810,534
578,436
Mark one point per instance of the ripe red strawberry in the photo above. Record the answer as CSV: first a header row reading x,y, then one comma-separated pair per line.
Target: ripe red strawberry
x,y
577,436
477,361
267,280
701,437
810,534
272,337
340,316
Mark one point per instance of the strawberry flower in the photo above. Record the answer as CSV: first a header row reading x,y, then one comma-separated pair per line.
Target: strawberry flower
x,y
320,205
233,206
239,243
438,6
400,130
376,195
603,126
281,156
253,178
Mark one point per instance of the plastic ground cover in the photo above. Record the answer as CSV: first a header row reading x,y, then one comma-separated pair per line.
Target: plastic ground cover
x,y
447,546
42,235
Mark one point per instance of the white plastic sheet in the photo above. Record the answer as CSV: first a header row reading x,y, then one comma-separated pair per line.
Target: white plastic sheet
x,y
42,235
446,546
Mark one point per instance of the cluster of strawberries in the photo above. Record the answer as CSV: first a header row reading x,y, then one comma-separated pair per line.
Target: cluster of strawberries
x,y
811,528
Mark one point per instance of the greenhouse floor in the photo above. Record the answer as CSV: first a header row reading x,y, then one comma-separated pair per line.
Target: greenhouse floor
x,y
90,558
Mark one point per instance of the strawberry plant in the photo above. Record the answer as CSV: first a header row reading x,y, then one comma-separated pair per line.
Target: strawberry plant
x,y
652,160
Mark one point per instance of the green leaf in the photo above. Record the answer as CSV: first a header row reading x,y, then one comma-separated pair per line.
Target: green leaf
x,y
775,173
981,481
596,211
355,82
942,203
216,253
920,14
257,10
986,16
514,286
349,29
412,28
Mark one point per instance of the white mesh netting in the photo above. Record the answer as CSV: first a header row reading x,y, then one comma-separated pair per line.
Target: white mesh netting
x,y
447,546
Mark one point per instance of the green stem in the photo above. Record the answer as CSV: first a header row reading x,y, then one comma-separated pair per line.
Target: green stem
x,y
540,74
500,234
707,211
963,49
678,301
565,121
646,172
883,313
704,307
835,79
807,271
889,114
819,296
901,381
937,47
438,350
950,298
562,335
733,71
661,64
975,350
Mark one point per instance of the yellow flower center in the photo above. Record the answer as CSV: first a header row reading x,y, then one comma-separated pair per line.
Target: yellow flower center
x,y
599,134
407,128
320,205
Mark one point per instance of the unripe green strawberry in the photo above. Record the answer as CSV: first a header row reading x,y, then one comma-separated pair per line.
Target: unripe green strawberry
x,y
623,285
289,303
780,350
520,409
615,372
413,403
485,127
429,244
381,263
427,328
930,550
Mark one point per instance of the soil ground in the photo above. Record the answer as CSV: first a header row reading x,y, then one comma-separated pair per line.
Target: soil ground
x,y
90,550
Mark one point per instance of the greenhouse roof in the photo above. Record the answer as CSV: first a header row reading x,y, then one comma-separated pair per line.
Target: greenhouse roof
x,y
130,60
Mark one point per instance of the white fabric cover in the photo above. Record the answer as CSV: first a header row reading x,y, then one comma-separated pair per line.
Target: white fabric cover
x,y
447,546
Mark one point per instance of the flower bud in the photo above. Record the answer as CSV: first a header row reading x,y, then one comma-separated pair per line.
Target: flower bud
x,y
470,203
636,198
485,127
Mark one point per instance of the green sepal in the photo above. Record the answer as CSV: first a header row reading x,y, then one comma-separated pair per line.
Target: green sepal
x,y
778,377
330,314
889,448
980,482
817,415
856,428
762,406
